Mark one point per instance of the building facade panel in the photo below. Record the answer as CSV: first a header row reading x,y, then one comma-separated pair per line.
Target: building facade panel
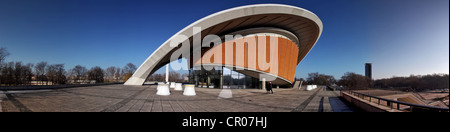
x,y
287,56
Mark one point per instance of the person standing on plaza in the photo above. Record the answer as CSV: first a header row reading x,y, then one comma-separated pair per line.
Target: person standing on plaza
x,y
269,88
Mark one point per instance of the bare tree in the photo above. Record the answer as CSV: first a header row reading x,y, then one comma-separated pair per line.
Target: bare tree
x,y
28,72
176,77
60,74
3,54
51,73
128,71
56,74
110,72
122,73
129,68
117,74
40,70
355,81
80,72
97,74
156,77
15,73
7,73
320,79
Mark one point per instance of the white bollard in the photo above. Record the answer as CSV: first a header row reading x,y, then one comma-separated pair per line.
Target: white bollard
x,y
310,87
178,86
189,90
172,84
163,89
157,88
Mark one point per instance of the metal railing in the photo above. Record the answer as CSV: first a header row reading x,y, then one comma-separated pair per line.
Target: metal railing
x,y
394,104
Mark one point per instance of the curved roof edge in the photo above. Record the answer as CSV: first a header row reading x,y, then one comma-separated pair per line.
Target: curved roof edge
x,y
155,58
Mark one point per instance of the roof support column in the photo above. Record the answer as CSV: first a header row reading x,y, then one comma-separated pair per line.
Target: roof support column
x,y
167,73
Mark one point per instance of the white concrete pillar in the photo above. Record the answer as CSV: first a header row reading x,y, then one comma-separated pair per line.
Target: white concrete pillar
x,y
263,83
167,73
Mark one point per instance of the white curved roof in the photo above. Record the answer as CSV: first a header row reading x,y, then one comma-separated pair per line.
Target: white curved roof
x,y
303,23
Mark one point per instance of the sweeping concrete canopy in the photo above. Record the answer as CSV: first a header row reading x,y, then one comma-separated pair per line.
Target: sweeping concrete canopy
x,y
301,29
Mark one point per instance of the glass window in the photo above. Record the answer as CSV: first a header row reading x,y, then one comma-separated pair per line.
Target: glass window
x,y
231,79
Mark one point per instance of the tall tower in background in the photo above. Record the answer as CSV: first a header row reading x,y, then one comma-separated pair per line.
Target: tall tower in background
x,y
369,70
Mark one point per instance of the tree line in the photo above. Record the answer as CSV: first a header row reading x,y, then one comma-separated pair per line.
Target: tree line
x,y
352,80
415,82
173,77
16,73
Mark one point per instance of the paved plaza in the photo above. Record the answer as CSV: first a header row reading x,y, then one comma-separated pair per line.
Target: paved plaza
x,y
120,98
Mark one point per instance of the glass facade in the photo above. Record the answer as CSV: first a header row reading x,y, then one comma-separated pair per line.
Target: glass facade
x,y
222,77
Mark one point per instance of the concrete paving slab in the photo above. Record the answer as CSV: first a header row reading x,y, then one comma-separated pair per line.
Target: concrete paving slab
x,y
120,98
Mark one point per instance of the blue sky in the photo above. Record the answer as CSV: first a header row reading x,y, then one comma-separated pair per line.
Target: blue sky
x,y
400,37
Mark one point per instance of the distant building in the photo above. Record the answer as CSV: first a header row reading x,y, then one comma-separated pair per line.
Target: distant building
x,y
369,70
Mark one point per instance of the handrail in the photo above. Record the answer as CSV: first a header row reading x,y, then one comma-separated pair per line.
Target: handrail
x,y
391,102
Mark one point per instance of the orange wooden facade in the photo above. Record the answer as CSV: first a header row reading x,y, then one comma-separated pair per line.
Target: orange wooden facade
x,y
243,56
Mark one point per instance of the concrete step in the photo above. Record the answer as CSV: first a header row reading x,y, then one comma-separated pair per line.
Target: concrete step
x,y
326,101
